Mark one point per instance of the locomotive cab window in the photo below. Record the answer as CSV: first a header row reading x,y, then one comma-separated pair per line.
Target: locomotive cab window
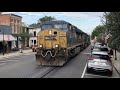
x,y
47,26
61,26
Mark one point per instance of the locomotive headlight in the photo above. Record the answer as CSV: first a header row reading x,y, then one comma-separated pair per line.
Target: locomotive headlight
x,y
56,45
40,45
50,32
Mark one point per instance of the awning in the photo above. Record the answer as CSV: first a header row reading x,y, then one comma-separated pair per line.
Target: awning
x,y
7,38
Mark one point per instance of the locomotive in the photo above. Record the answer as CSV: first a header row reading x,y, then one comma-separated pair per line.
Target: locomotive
x,y
58,41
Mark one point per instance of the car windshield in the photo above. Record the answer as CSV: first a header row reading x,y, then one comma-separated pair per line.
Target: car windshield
x,y
47,26
104,57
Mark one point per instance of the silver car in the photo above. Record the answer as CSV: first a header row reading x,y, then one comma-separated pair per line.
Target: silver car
x,y
100,62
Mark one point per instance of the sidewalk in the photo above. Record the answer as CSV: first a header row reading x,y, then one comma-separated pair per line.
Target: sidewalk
x,y
17,53
116,63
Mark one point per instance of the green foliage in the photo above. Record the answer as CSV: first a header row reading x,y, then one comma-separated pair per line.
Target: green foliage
x,y
47,18
99,29
113,27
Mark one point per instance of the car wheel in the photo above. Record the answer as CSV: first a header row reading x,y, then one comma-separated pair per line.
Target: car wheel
x,y
110,73
88,70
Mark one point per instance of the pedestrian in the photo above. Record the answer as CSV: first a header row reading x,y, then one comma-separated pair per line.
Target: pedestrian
x,y
21,47
111,52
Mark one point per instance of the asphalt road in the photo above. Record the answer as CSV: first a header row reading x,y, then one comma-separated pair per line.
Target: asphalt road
x,y
24,66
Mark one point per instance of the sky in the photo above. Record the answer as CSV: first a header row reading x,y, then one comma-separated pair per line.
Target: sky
x,y
86,21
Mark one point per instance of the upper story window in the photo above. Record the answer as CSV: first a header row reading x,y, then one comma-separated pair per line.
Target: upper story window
x,y
12,20
17,21
34,33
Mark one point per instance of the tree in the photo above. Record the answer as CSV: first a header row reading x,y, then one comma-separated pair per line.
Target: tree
x,y
113,27
24,35
98,31
46,18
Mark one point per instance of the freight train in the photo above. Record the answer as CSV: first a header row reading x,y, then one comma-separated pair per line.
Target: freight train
x,y
58,41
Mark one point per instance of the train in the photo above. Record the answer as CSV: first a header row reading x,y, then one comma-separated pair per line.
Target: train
x,y
58,41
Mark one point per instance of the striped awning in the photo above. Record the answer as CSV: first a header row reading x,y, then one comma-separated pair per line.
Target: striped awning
x,y
7,38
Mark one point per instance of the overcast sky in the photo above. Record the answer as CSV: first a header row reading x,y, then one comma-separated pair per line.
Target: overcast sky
x,y
86,21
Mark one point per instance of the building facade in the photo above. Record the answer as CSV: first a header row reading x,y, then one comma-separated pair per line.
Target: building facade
x,y
25,35
33,36
15,22
7,41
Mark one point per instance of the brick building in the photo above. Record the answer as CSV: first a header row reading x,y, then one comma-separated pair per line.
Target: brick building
x,y
15,22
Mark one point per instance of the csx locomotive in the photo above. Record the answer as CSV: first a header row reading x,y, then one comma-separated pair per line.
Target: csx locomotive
x,y
58,41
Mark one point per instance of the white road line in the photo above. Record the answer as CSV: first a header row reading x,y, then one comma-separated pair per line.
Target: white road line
x,y
2,64
97,75
11,60
84,71
3,61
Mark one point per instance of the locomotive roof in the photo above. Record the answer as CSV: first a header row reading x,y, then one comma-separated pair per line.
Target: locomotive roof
x,y
56,22
61,22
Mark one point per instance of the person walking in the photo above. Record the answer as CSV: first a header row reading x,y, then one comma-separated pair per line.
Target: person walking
x,y
21,48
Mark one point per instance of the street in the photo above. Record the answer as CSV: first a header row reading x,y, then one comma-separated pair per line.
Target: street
x,y
24,66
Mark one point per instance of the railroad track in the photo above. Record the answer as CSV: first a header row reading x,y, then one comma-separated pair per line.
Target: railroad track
x,y
39,72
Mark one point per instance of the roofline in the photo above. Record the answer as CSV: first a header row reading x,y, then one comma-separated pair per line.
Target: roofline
x,y
12,14
16,15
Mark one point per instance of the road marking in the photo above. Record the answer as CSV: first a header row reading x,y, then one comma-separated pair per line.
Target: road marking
x,y
84,71
12,60
97,75
7,61
3,61
2,64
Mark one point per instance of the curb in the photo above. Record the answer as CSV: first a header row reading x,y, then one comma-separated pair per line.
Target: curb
x,y
116,70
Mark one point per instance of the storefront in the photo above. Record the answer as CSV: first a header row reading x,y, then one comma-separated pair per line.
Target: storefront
x,y
9,42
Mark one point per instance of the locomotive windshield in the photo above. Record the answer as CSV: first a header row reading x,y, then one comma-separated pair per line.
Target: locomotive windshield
x,y
47,26
61,26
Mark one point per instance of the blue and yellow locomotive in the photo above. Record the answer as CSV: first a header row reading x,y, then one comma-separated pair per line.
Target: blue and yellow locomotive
x,y
58,41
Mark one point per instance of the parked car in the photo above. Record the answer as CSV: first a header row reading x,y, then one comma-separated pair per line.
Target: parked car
x,y
100,62
96,46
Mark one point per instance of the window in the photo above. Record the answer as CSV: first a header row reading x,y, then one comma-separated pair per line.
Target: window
x,y
47,26
12,20
34,42
17,21
34,33
12,28
104,57
61,26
